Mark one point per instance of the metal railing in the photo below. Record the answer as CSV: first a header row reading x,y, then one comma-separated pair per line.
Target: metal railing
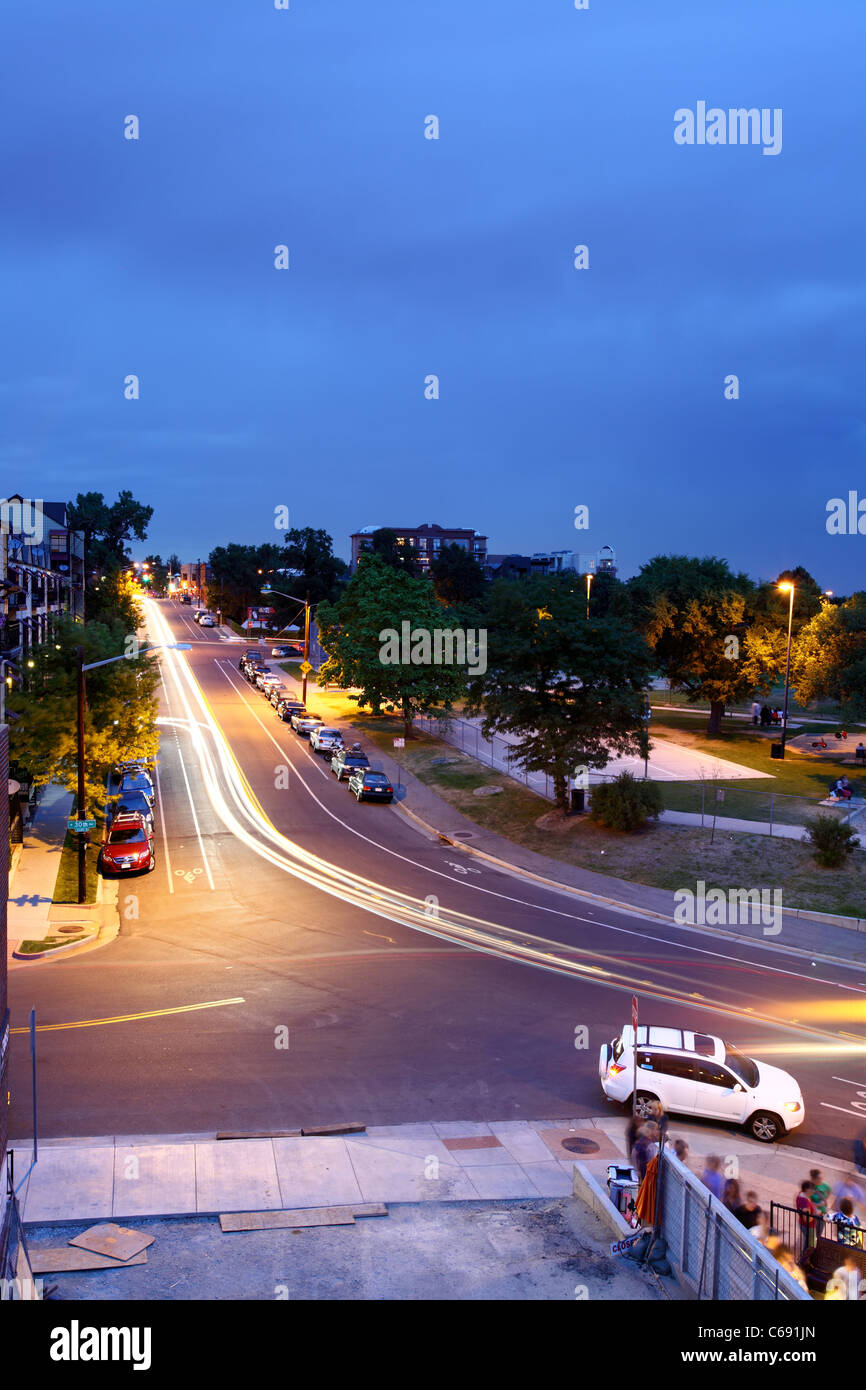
x,y
798,1229
714,1255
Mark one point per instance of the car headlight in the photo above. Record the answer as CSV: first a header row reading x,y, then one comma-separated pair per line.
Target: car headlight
x,y
792,1105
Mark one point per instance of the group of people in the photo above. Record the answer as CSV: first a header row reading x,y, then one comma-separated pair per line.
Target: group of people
x,y
816,1202
841,789
766,717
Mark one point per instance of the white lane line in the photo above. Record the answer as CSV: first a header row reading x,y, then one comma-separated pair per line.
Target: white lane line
x,y
522,902
195,820
849,1083
859,1113
302,745
162,827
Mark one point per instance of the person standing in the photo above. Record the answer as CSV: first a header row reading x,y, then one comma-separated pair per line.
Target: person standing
x,y
822,1191
731,1195
808,1216
749,1213
712,1178
756,713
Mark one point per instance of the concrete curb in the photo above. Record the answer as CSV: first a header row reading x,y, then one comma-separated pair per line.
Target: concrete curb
x,y
592,1194
852,923
53,950
105,915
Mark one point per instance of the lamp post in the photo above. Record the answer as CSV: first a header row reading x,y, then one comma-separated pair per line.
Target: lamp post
x,y
83,668
3,680
787,588
269,589
589,579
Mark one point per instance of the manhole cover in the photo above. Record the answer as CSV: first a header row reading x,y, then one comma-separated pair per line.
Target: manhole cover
x,y
463,834
580,1146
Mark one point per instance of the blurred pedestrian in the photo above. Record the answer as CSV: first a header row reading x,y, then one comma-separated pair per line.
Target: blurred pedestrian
x,y
822,1191
808,1216
712,1178
731,1194
660,1119
748,1213
848,1230
681,1149
756,712
785,1256
643,1151
844,1283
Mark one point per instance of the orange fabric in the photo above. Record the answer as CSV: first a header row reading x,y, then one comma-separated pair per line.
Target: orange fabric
x,y
646,1197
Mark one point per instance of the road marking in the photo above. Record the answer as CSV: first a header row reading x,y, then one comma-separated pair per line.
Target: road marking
x,y
845,1111
162,827
195,819
130,1018
845,1079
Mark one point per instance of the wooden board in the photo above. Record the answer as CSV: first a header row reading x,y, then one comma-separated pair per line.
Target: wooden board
x,y
110,1239
58,1259
259,1134
299,1217
335,1129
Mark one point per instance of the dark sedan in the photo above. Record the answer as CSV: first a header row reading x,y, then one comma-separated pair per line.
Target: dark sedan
x,y
372,786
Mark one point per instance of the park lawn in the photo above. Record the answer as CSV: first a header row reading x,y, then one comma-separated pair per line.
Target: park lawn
x,y
66,886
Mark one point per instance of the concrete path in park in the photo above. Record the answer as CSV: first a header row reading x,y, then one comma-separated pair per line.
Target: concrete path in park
x,y
136,1177
31,887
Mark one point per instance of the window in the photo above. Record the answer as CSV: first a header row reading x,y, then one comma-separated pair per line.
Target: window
x,y
742,1066
711,1074
664,1065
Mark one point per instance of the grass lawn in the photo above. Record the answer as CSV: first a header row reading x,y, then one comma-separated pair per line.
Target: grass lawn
x,y
32,948
66,887
668,857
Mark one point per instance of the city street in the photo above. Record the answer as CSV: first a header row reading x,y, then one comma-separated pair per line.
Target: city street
x,y
299,959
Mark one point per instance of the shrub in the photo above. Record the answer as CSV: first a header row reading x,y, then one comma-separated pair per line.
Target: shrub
x,y
625,803
832,840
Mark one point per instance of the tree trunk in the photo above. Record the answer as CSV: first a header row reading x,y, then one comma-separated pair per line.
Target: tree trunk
x,y
408,730
717,710
560,791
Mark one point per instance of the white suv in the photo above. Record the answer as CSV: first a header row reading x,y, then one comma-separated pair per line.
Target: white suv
x,y
697,1074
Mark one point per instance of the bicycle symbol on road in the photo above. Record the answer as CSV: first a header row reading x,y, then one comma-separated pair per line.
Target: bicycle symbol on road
x,y
189,874
461,868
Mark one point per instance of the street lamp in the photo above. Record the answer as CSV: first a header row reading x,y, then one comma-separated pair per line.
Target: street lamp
x,y
589,579
787,588
269,589
83,668
4,682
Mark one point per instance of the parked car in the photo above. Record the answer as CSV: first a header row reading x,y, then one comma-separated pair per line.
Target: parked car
x,y
134,804
282,652
253,671
262,676
286,708
348,760
138,781
269,683
252,654
698,1074
304,724
207,620
373,786
277,693
197,614
128,847
326,741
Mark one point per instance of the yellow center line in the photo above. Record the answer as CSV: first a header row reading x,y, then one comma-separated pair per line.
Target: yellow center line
x,y
130,1018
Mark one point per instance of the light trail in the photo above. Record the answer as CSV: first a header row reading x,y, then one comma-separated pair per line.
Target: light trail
x,y
243,810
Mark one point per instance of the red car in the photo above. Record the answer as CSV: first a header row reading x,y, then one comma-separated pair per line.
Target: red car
x,y
128,848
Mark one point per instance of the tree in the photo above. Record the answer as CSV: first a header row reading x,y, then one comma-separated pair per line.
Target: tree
x,y
238,573
106,529
458,578
828,660
400,555
571,688
158,573
363,634
696,615
120,715
310,553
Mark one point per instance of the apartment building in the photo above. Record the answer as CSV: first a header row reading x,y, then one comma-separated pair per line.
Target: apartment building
x,y
41,571
427,541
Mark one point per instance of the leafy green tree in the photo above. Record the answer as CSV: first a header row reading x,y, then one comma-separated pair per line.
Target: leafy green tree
x,y
107,529
388,548
458,579
689,610
828,660
571,689
626,803
832,840
310,552
355,634
238,573
120,714
158,574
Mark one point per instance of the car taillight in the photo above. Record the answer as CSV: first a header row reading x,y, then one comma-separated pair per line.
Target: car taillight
x,y
615,1068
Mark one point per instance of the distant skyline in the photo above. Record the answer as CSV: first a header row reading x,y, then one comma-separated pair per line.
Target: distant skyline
x,y
452,257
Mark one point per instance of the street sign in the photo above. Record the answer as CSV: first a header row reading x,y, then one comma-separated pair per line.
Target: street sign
x,y
399,743
81,825
620,1246
306,668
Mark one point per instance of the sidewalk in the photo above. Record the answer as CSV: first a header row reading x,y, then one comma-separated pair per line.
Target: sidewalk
x,y
31,889
441,1161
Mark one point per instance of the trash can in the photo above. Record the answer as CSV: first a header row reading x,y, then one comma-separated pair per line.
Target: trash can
x,y
622,1185
776,750
578,801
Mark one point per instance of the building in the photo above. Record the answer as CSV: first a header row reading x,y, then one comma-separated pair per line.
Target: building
x,y
555,561
507,566
194,579
41,571
427,540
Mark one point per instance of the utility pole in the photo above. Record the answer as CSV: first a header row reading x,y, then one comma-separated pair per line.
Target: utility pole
x,y
83,835
306,646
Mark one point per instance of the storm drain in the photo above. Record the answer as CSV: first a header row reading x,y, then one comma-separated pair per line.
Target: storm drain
x,y
580,1146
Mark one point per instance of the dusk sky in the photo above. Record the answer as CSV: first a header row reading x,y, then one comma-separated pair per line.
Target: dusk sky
x,y
410,257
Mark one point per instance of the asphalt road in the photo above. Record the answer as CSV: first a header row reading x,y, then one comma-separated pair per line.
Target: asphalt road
x,y
298,959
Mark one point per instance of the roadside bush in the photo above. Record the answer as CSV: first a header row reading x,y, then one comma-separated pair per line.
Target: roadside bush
x,y
832,840
626,803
